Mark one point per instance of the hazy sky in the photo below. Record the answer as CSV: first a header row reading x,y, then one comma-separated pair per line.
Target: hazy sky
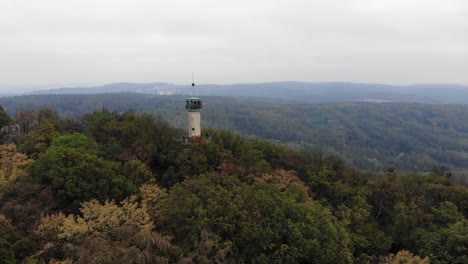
x,y
68,42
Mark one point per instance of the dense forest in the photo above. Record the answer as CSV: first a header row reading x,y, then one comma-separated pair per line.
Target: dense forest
x,y
119,187
303,92
370,136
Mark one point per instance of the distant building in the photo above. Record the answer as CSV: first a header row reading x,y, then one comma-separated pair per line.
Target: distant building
x,y
165,91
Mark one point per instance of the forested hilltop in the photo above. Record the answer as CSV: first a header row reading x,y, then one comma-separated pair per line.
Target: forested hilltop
x,y
119,187
371,136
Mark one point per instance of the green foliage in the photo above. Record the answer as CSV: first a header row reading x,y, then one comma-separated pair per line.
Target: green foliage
x,y
138,172
373,137
77,174
445,244
12,242
198,158
6,254
227,200
8,235
4,118
253,223
128,136
420,215
367,239
76,141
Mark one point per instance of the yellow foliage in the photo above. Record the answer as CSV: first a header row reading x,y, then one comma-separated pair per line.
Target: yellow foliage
x,y
65,261
405,257
31,260
12,164
73,228
152,197
102,217
50,226
97,219
3,219
106,233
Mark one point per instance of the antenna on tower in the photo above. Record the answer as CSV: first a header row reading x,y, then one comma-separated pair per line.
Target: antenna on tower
x,y
193,84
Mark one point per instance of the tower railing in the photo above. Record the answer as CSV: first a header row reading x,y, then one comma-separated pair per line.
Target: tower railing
x,y
193,104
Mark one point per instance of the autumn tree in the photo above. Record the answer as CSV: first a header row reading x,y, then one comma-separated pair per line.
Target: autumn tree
x,y
26,120
48,114
105,233
12,164
152,197
405,257
39,138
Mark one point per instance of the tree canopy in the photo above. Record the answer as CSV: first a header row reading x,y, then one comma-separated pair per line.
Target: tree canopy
x,y
119,187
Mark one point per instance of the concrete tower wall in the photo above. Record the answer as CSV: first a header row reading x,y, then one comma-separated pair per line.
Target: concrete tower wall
x,y
194,124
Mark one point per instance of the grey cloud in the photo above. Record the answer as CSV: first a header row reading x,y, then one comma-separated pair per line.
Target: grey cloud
x,y
88,41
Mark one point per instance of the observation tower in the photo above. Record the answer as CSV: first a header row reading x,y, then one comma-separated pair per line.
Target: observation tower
x,y
193,105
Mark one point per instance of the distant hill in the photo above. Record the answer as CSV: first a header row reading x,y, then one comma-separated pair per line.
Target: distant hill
x,y
301,92
145,88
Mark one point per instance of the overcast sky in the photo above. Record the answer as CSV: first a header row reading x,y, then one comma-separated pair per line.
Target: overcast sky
x,y
74,42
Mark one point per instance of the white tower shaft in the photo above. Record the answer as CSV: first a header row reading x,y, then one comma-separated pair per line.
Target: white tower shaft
x,y
194,129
